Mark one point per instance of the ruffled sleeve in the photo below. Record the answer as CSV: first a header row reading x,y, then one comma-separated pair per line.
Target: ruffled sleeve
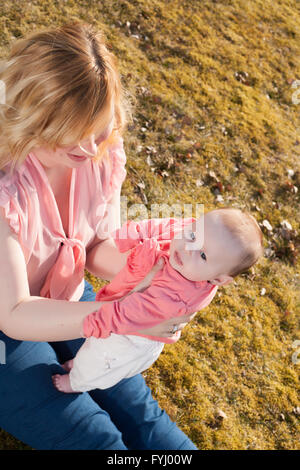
x,y
14,207
8,209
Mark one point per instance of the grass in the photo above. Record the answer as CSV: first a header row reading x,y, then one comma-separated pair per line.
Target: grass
x,y
214,123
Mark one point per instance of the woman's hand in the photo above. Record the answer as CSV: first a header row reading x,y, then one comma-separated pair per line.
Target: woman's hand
x,y
164,329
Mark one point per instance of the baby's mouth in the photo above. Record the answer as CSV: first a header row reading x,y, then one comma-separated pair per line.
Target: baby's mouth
x,y
177,258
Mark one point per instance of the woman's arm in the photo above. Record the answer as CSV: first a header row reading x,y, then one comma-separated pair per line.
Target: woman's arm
x,y
104,260
40,319
25,317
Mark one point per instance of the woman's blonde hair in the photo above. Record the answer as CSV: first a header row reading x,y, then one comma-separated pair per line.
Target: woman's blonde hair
x,y
58,84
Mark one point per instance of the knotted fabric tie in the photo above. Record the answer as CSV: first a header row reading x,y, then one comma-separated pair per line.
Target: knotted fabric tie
x,y
67,273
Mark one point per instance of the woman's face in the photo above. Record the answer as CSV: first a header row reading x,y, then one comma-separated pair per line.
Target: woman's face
x,y
73,156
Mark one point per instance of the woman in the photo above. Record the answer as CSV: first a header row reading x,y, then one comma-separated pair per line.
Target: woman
x,y
62,166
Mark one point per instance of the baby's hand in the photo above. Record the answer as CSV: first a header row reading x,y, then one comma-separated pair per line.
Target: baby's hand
x,y
146,282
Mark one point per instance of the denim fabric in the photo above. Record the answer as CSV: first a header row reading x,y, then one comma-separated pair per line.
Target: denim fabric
x,y
122,417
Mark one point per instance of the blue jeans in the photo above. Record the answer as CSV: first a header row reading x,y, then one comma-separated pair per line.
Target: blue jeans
x,y
121,417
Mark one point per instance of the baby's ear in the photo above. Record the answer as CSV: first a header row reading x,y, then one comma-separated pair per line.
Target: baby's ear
x,y
222,280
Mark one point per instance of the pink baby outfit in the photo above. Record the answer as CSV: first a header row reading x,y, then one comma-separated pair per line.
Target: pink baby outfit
x,y
106,357
55,262
169,295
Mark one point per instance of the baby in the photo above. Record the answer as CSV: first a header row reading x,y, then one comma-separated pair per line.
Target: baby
x,y
196,257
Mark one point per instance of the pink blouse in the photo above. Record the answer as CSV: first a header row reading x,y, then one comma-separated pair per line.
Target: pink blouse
x,y
55,263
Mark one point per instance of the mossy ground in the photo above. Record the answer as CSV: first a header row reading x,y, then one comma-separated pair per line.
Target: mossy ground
x,y
213,87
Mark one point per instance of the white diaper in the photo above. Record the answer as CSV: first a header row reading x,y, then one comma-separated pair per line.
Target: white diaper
x,y
103,362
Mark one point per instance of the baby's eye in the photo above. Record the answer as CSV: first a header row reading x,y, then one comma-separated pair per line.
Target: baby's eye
x,y
193,236
203,256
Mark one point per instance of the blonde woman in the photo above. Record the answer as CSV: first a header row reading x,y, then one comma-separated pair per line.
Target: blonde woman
x,y
62,164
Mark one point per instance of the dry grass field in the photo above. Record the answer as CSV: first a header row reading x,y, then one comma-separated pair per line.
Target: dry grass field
x,y
215,121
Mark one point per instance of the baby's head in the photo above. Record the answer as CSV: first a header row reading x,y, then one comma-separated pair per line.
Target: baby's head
x,y
217,247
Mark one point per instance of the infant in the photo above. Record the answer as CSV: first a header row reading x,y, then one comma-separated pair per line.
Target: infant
x,y
198,256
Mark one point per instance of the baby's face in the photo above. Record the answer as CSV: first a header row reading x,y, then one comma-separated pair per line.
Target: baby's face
x,y
204,250
74,156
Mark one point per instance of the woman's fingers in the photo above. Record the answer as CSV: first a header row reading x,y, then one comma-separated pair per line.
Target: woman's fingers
x,y
181,326
179,322
169,333
165,329
193,315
